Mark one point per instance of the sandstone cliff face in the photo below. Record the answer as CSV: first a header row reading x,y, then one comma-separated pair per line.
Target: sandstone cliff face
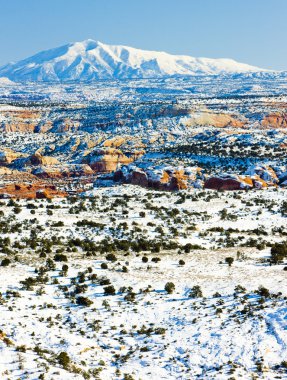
x,y
63,171
7,156
256,176
226,183
275,120
30,191
20,121
166,179
178,181
218,120
38,159
114,142
106,159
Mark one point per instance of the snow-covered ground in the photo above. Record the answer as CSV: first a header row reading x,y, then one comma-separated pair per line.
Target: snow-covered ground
x,y
217,330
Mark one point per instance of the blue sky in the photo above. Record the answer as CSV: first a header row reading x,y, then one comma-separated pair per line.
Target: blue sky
x,y
250,31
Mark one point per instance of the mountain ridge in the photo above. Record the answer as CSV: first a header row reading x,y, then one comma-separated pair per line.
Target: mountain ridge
x,y
91,60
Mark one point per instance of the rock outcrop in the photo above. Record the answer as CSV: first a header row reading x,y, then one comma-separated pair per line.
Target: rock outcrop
x,y
217,120
30,191
227,182
37,159
158,178
106,160
7,156
263,172
63,171
256,176
275,120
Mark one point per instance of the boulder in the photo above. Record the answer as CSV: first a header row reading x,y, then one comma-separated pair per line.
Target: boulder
x,y
139,177
226,183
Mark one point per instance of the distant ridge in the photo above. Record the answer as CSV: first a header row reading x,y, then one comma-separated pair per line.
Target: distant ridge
x,y
91,60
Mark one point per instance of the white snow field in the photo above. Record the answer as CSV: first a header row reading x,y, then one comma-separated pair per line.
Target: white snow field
x,y
219,321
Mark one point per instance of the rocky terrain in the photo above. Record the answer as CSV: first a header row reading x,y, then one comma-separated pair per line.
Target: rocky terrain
x,y
143,229
96,140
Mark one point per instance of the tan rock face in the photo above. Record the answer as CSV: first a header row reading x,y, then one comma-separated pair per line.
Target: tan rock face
x,y
114,142
7,156
139,178
38,159
30,191
68,125
166,180
106,159
275,120
178,181
214,120
63,171
20,121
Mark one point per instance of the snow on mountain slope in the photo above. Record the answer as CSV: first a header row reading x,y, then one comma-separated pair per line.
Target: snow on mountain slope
x,y
93,60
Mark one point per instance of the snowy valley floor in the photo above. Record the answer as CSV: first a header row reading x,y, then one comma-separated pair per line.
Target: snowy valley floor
x,y
194,296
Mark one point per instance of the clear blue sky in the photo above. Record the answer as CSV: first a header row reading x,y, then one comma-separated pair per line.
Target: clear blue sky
x,y
250,31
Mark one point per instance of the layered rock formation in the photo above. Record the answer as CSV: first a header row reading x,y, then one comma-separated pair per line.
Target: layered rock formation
x,y
256,176
7,156
228,182
106,159
30,191
63,171
217,120
158,178
37,159
275,120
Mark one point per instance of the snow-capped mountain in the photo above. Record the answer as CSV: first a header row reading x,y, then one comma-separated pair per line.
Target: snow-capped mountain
x,y
92,60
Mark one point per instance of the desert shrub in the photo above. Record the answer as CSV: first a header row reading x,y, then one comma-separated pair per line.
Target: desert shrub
x,y
130,297
169,287
63,359
229,261
28,283
104,266
109,290
5,262
50,265
144,259
181,262
278,252
65,268
60,257
104,281
111,257
195,292
58,224
83,301
263,292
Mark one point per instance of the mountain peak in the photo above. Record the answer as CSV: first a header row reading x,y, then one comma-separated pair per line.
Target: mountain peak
x,y
90,60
